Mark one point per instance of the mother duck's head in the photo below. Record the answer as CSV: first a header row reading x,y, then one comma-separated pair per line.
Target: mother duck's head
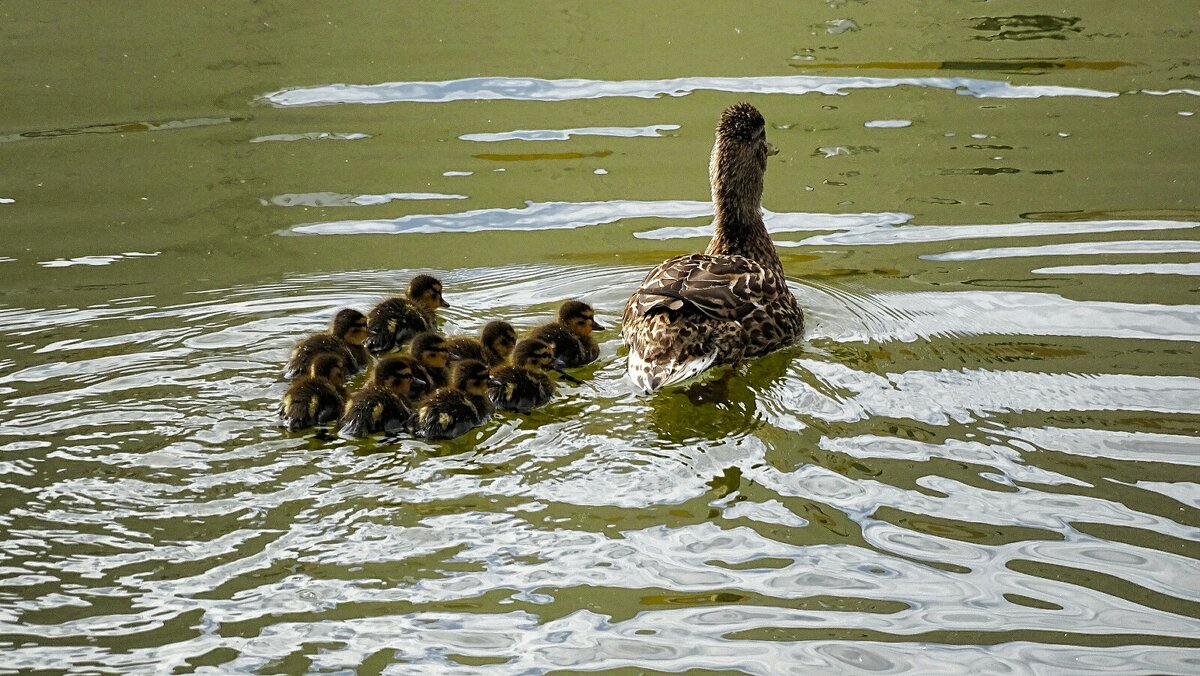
x,y
739,156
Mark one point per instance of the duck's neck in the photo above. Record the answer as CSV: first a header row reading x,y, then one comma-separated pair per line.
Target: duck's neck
x,y
737,198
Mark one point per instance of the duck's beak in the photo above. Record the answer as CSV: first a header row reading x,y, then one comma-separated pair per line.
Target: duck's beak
x,y
557,364
772,150
418,381
596,326
443,299
493,382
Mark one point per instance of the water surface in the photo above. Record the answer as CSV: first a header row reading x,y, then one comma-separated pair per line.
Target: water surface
x,y
983,457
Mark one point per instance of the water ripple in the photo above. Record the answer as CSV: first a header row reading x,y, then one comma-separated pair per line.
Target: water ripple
x,y
537,89
565,134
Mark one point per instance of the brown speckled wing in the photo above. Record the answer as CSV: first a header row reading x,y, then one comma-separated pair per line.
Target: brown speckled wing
x,y
725,288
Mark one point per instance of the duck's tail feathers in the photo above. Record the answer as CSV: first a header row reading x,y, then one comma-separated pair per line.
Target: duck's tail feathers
x,y
653,376
295,414
355,426
379,343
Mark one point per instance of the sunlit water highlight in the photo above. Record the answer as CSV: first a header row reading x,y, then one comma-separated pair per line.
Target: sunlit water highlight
x,y
981,459
537,89
163,417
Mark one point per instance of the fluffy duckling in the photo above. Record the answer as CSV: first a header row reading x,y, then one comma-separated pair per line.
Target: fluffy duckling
x,y
524,385
396,320
571,335
729,303
345,337
432,354
382,405
494,345
316,398
452,411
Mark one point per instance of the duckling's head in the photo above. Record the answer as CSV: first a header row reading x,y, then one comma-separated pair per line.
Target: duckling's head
x,y
532,353
350,325
427,291
431,350
500,336
395,372
739,156
579,317
471,376
328,366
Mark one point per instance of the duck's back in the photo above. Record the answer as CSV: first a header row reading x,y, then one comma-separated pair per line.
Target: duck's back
x,y
310,401
374,409
321,343
520,389
450,413
393,322
574,350
701,310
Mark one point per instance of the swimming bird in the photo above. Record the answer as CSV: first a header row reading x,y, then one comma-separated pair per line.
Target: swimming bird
x,y
494,345
315,398
456,409
524,385
345,337
391,323
571,334
729,303
382,405
432,353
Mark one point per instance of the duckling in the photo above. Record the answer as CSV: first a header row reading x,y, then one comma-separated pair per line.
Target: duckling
x,y
394,321
452,411
524,385
493,347
432,355
729,303
571,335
345,337
316,398
382,405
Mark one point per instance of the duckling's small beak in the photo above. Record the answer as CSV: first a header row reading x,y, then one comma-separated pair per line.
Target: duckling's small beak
x,y
772,150
445,304
418,381
454,356
493,382
596,326
557,364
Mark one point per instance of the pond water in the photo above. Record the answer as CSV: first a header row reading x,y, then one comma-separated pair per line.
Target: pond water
x,y
982,458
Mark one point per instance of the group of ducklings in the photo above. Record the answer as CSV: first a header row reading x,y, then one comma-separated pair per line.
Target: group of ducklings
x,y
439,387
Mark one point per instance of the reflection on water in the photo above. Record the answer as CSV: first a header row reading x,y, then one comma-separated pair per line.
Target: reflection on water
x,y
981,459
537,89
860,485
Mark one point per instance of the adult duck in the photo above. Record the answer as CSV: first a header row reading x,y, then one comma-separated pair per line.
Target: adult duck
x,y
729,303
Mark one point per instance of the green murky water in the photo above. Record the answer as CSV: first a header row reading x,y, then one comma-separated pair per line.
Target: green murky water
x,y
983,457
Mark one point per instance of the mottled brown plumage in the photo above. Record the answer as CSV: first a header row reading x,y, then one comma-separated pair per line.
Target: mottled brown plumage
x,y
525,385
315,398
382,404
345,337
571,334
729,303
454,410
393,322
494,345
